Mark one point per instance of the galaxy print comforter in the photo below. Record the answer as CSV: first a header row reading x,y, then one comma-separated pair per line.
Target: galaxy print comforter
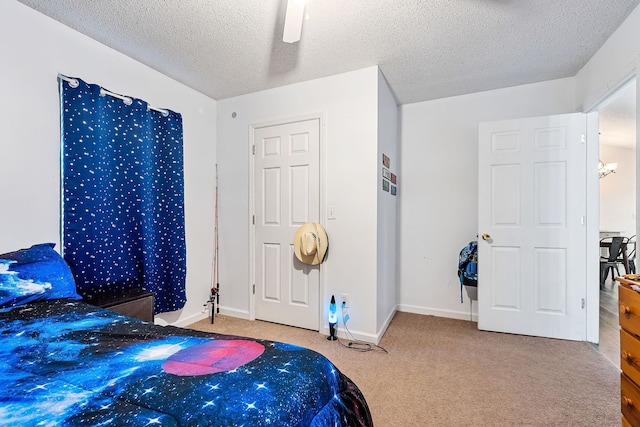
x,y
63,362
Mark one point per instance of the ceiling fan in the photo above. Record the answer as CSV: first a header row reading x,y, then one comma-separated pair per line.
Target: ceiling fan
x,y
293,21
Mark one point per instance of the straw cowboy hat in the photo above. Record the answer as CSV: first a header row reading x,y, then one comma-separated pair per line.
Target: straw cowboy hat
x,y
310,243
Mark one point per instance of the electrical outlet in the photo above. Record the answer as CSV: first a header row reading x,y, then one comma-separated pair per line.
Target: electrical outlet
x,y
345,307
344,300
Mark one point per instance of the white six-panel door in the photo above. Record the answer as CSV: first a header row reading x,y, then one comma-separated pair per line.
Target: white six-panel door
x,y
286,195
532,206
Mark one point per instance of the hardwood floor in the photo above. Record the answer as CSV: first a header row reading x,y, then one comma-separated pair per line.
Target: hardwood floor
x,y
609,328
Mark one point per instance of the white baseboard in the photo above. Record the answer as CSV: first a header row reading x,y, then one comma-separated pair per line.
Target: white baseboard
x,y
342,333
359,335
242,314
386,324
355,335
451,314
182,322
192,319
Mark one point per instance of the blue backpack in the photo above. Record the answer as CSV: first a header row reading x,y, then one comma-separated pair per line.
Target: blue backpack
x,y
468,266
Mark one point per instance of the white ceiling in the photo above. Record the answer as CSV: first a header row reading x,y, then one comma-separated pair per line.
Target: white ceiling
x,y
427,49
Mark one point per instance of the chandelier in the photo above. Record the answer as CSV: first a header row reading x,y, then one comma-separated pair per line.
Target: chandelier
x,y
606,168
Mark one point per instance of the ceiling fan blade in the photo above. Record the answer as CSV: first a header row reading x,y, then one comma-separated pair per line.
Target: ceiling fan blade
x,y
293,21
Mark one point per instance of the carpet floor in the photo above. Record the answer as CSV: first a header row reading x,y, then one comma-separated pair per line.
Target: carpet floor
x,y
445,372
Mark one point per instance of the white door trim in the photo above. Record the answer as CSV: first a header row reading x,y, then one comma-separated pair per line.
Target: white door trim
x,y
593,230
593,188
251,226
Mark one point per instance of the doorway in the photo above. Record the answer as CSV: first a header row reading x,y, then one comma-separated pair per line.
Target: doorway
x,y
617,148
286,195
531,186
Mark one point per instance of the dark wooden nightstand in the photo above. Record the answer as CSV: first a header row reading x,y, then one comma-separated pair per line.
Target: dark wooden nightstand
x,y
136,303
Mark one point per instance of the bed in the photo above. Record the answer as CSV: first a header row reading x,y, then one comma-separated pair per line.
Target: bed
x,y
64,362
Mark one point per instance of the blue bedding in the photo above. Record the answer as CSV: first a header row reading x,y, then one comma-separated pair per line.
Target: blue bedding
x,y
64,362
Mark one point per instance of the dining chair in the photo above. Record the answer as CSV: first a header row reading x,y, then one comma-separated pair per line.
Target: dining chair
x,y
628,245
616,245
631,254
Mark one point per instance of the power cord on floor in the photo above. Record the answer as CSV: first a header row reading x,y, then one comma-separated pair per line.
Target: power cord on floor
x,y
355,344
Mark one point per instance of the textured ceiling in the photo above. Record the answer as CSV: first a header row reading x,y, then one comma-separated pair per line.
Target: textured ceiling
x,y
427,49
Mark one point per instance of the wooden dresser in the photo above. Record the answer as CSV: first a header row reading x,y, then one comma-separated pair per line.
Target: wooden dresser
x,y
629,304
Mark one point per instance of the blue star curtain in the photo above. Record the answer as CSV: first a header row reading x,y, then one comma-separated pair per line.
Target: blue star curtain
x,y
123,197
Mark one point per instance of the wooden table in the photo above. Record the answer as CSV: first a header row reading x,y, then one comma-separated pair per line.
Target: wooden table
x,y
628,282
604,234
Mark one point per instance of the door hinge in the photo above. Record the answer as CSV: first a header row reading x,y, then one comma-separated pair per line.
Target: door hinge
x,y
253,220
254,288
582,220
583,139
254,149
581,301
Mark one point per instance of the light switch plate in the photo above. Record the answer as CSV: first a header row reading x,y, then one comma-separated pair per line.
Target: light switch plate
x,y
331,212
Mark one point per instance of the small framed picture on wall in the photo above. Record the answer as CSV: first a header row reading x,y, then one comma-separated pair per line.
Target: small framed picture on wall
x,y
385,185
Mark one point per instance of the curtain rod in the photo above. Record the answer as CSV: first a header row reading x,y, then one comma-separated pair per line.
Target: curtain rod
x,y
128,101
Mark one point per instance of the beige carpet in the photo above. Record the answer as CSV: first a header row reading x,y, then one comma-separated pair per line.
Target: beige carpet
x,y
444,372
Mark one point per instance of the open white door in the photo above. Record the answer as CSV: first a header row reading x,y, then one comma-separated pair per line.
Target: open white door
x,y
532,215
286,195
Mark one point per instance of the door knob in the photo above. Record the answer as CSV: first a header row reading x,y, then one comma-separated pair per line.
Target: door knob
x,y
486,236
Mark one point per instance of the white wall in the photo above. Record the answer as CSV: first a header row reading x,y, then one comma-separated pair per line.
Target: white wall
x,y
388,144
439,192
618,191
347,104
611,66
35,49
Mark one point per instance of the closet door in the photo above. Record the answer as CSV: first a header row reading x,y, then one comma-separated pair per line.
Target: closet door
x,y
286,196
